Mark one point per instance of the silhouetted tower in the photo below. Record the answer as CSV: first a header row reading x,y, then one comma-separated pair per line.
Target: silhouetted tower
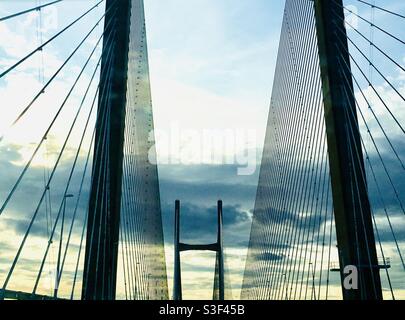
x,y
215,247
354,227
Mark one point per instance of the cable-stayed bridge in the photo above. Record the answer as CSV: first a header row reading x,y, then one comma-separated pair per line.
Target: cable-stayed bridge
x,y
330,191
84,197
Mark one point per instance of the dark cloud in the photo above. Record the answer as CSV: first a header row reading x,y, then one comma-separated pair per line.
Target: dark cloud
x,y
26,197
268,256
201,184
22,206
199,187
199,224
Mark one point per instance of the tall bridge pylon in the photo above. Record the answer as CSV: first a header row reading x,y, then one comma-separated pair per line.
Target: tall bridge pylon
x,y
354,226
320,195
101,259
121,167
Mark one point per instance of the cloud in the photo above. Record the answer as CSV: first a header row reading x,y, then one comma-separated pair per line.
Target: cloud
x,y
268,256
199,224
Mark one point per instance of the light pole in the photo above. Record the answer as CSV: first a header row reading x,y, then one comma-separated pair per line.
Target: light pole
x,y
311,266
57,278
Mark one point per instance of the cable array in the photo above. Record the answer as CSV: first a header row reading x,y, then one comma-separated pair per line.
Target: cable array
x,y
379,103
51,236
292,237
142,252
69,175
293,248
292,253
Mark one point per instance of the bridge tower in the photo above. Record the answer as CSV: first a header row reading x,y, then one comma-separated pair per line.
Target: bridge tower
x,y
124,189
354,228
105,195
219,280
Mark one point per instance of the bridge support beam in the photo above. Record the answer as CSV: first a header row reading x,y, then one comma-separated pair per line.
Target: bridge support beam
x,y
100,268
354,228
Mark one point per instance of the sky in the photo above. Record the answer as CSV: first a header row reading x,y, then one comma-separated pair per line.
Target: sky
x,y
211,70
212,62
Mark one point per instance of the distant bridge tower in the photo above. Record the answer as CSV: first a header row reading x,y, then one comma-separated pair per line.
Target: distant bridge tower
x,y
219,280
